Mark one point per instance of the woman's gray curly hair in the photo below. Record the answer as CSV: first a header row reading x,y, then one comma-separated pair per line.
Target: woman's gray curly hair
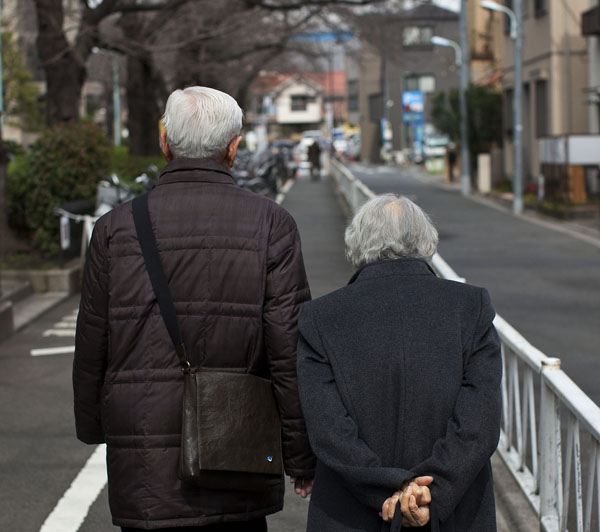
x,y
389,227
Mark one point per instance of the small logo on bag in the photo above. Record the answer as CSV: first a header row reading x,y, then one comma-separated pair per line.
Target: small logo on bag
x,y
270,458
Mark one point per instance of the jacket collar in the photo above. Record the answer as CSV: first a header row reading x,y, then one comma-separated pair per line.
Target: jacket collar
x,y
386,268
195,170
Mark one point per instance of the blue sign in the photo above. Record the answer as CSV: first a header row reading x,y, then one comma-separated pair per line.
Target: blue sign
x,y
322,36
413,106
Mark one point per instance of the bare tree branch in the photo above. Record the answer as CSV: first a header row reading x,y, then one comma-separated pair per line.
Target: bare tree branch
x,y
274,6
132,7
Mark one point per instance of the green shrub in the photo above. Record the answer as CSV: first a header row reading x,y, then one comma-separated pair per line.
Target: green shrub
x,y
63,165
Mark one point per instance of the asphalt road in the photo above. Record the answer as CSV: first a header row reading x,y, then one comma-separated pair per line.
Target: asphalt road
x,y
545,283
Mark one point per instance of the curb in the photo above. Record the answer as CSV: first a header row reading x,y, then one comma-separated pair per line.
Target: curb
x,y
589,236
35,306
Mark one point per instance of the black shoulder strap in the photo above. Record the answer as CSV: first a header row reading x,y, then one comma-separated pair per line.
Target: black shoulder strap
x,y
143,227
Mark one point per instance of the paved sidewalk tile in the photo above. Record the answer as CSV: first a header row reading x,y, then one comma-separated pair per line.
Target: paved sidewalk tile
x,y
32,307
321,223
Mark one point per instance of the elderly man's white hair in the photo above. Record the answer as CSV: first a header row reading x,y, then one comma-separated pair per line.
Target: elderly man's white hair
x,y
201,122
389,227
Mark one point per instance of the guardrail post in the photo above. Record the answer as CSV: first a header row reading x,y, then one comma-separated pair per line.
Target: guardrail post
x,y
550,453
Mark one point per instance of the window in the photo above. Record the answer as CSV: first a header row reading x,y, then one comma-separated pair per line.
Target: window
x,y
427,84
300,101
541,108
417,35
353,95
540,7
422,82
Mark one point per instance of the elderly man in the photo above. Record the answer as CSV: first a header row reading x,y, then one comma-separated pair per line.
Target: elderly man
x,y
399,376
237,280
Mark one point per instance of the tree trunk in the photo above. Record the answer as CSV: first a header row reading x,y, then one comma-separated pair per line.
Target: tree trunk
x,y
144,85
65,72
144,111
8,242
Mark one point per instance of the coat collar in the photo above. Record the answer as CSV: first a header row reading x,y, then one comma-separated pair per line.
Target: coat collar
x,y
195,170
392,267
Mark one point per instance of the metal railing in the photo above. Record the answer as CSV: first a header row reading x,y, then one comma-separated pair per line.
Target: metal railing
x,y
88,226
538,401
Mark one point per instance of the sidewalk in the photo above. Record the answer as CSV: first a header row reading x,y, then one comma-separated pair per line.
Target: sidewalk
x,y
587,229
321,222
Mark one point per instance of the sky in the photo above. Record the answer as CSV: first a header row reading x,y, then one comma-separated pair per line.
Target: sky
x,y
448,4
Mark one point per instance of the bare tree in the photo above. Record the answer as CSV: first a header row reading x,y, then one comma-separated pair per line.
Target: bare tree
x,y
64,61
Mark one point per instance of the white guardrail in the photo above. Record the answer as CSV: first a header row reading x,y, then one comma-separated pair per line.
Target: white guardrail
x,y
88,227
537,398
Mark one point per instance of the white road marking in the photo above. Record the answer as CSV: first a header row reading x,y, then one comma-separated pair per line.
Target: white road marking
x,y
46,351
58,332
284,190
64,325
72,509
62,329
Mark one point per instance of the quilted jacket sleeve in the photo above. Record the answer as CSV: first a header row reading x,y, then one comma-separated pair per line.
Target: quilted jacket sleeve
x,y
91,341
286,290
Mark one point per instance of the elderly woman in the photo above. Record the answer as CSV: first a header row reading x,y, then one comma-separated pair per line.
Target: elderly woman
x,y
399,375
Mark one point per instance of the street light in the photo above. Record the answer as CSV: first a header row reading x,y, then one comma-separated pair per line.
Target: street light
x,y
516,34
465,178
494,6
441,41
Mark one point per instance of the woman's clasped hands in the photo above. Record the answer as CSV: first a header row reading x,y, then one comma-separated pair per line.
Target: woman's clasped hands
x,y
414,498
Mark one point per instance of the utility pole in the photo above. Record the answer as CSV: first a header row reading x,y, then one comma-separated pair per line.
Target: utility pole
x,y
465,178
385,96
116,100
516,34
3,163
1,87
518,110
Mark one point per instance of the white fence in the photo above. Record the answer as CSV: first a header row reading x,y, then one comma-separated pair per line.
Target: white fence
x,y
538,401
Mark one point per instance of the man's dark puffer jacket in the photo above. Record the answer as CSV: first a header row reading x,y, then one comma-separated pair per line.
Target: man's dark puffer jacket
x,y
235,271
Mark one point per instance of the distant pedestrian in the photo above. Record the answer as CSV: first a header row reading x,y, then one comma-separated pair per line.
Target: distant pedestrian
x,y
236,276
399,375
314,157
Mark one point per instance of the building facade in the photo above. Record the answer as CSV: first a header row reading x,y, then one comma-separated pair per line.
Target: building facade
x,y
397,56
485,45
555,77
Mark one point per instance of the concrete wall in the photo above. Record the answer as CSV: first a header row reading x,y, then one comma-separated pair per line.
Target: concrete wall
x,y
283,102
383,36
485,29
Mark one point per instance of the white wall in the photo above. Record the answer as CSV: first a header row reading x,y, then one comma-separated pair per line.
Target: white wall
x,y
312,114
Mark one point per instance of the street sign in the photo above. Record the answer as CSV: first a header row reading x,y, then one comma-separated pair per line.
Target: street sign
x,y
413,106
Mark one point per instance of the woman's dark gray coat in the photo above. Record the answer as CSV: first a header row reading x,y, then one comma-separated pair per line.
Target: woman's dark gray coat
x,y
399,376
